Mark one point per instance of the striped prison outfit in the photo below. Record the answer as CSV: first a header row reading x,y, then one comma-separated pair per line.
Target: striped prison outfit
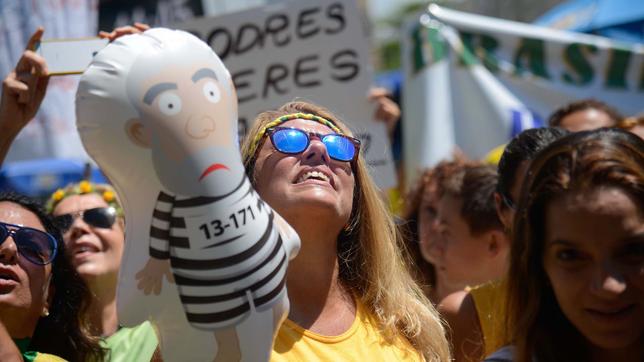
x,y
227,255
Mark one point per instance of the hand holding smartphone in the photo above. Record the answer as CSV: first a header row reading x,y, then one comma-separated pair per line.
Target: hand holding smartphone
x,y
69,56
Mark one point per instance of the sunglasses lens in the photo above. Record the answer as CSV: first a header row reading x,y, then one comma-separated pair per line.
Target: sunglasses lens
x,y
102,217
64,222
4,233
290,140
340,148
37,246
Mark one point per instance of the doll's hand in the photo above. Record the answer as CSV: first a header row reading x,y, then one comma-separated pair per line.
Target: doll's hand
x,y
151,276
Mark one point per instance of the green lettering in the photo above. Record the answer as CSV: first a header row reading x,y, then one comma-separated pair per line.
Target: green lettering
x,y
466,54
417,48
436,44
430,51
581,70
488,46
617,68
484,50
532,52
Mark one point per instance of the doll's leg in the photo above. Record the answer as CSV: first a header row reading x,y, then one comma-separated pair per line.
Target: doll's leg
x,y
280,313
227,345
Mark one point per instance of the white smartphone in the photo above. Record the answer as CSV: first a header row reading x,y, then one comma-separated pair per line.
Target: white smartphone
x,y
69,56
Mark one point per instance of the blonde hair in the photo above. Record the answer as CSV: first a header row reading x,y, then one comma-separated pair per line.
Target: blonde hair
x,y
372,264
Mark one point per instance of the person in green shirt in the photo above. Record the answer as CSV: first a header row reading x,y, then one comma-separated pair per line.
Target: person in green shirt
x,y
94,234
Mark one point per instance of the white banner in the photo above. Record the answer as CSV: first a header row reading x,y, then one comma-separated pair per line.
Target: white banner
x,y
314,50
473,82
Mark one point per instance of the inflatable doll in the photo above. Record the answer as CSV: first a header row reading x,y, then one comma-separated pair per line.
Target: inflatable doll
x,y
158,113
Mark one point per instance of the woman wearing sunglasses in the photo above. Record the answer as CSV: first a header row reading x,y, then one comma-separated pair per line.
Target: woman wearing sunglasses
x,y
42,299
576,281
351,296
94,236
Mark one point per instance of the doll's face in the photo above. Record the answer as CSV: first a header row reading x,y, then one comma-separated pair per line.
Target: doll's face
x,y
188,119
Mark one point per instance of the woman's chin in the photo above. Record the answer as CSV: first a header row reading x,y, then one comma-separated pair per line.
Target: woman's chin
x,y
88,270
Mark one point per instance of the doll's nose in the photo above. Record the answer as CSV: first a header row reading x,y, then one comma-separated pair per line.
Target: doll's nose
x,y
200,126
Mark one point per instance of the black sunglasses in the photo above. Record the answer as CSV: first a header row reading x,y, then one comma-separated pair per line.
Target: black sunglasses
x,y
100,217
35,245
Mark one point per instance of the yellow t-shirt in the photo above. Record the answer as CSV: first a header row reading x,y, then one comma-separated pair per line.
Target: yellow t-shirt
x,y
494,156
489,300
361,342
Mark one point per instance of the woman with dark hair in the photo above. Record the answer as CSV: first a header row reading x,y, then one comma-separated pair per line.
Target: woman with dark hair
x,y
42,299
576,281
476,317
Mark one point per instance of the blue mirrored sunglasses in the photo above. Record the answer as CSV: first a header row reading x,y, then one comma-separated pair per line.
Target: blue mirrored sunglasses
x,y
36,246
293,141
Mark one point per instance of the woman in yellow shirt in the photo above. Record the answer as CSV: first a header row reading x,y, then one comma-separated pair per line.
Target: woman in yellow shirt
x,y
351,295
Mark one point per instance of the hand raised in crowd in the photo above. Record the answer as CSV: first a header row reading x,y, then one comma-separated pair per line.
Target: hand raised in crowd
x,y
387,110
24,88
124,30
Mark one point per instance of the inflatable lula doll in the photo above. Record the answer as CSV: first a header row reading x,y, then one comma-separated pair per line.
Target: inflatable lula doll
x,y
158,112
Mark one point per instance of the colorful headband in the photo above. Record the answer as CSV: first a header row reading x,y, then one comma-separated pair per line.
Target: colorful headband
x,y
82,188
312,117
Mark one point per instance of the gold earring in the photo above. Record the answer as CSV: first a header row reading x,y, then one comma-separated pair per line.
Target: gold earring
x,y
45,312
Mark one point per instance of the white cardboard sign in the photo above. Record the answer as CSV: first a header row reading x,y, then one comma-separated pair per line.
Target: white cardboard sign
x,y
311,50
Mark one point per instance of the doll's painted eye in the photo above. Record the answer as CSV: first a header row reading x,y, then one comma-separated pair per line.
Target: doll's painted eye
x,y
211,92
170,103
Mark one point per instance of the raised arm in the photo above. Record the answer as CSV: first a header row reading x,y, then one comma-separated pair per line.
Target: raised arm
x,y
22,93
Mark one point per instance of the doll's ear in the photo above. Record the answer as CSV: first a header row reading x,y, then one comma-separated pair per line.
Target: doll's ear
x,y
138,134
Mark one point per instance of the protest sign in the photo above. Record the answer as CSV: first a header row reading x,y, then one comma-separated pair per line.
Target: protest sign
x,y
474,82
310,50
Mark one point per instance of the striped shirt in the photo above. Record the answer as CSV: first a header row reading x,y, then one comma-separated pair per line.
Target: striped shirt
x,y
226,253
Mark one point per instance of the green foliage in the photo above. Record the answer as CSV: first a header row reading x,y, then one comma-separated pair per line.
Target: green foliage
x,y
389,53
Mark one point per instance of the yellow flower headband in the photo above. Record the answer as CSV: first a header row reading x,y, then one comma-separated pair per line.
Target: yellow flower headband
x,y
312,117
82,188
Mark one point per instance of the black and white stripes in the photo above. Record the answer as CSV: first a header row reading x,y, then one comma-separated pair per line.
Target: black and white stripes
x,y
226,254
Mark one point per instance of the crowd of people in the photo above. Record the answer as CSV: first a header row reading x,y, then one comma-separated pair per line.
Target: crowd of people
x,y
538,258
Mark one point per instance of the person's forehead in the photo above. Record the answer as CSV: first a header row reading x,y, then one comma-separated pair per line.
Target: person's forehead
x,y
79,202
585,119
13,213
450,204
429,195
307,125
